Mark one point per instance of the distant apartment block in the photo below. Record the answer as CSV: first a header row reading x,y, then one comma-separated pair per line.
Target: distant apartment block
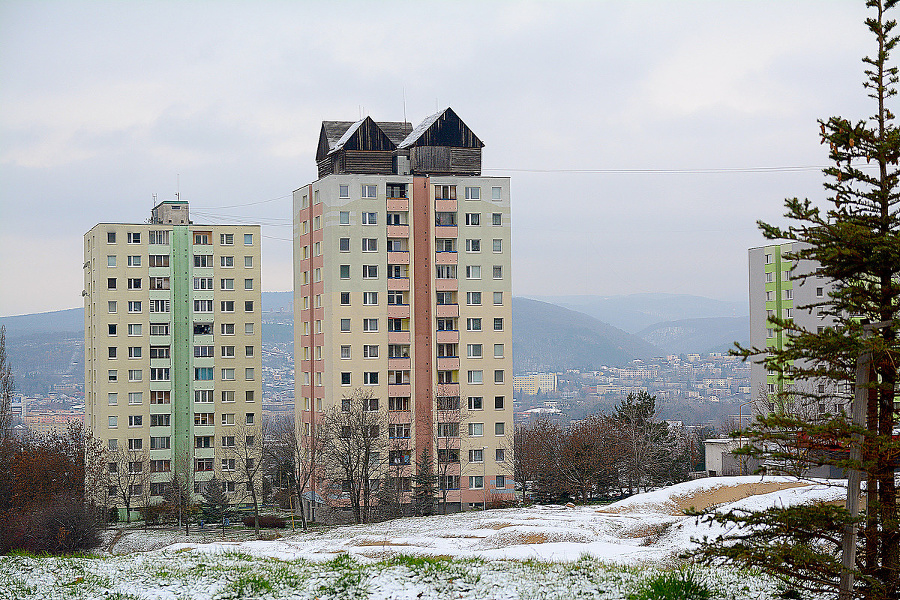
x,y
533,383
774,291
172,350
402,289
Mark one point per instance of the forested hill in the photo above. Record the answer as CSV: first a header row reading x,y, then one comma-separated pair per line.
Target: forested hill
x,y
547,337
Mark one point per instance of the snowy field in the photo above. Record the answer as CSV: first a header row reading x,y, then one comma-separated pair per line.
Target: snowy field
x,y
537,552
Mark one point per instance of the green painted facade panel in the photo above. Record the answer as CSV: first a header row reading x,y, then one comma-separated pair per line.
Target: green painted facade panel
x,y
181,342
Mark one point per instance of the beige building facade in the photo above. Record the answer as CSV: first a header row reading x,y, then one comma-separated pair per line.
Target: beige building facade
x,y
172,345
402,290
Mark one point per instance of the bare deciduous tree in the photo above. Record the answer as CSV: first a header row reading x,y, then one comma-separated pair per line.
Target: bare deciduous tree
x,y
6,387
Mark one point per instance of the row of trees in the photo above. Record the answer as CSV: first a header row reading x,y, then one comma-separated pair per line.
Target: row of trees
x,y
602,455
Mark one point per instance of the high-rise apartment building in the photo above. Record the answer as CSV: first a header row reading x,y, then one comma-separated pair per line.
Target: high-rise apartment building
x,y
172,344
774,291
402,291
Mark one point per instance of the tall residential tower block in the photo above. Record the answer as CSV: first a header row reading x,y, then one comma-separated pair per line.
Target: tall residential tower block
x,y
172,344
402,291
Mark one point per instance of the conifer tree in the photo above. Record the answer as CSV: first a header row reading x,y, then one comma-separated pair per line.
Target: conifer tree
x,y
424,485
855,243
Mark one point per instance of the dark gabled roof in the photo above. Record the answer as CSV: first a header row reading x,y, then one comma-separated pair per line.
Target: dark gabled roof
x,y
364,134
443,128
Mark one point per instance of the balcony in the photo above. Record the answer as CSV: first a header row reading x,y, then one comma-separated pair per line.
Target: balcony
x,y
399,311
441,285
398,258
399,284
448,363
444,205
442,231
445,310
398,204
399,389
398,231
446,337
400,337
445,258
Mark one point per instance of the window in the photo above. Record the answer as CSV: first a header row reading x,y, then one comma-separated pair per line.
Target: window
x,y
446,324
345,271
476,403
160,374
370,245
445,192
113,421
160,397
369,324
473,298
445,271
111,283
345,325
473,245
369,218
135,420
134,351
248,262
344,218
226,262
134,237
203,373
159,260
224,284
476,429
500,428
496,193
370,351
445,245
111,352
820,292
227,418
228,464
160,443
202,261
163,306
370,271
343,191
205,396
226,306
134,261
135,443
473,218
498,324
344,244
788,294
112,398
473,324
248,329
769,259
204,419
498,376
476,482
111,329
248,239
770,277
476,377
134,329
161,420
445,219
226,239
500,482
227,329
473,193
202,305
249,421
473,271
476,456
370,378
248,305
110,237
159,329
498,402
134,306
134,283
368,191
399,430
160,466
227,374
112,306
398,403
135,397
498,272
204,464
248,284
226,351
496,219
473,350
345,352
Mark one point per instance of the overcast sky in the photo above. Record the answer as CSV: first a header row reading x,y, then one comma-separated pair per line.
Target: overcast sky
x,y
103,104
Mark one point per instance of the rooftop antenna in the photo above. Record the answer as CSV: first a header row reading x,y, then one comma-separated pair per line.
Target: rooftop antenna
x,y
404,104
178,186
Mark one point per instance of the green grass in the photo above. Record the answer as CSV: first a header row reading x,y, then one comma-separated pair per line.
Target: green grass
x,y
673,585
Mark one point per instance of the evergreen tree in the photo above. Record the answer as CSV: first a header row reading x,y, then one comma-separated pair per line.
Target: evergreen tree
x,y
424,485
215,503
855,243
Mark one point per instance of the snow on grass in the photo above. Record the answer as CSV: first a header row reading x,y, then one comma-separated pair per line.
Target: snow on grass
x,y
534,552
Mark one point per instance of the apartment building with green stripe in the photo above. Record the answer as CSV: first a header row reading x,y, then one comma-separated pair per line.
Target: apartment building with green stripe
x,y
172,354
776,291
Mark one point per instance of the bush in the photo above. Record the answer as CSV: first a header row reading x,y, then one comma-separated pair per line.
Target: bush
x,y
60,527
502,501
266,521
671,586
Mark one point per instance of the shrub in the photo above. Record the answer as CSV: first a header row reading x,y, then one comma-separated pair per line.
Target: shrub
x,y
63,526
679,585
266,521
502,501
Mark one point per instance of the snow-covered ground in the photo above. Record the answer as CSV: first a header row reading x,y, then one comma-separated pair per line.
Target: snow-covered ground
x,y
537,552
